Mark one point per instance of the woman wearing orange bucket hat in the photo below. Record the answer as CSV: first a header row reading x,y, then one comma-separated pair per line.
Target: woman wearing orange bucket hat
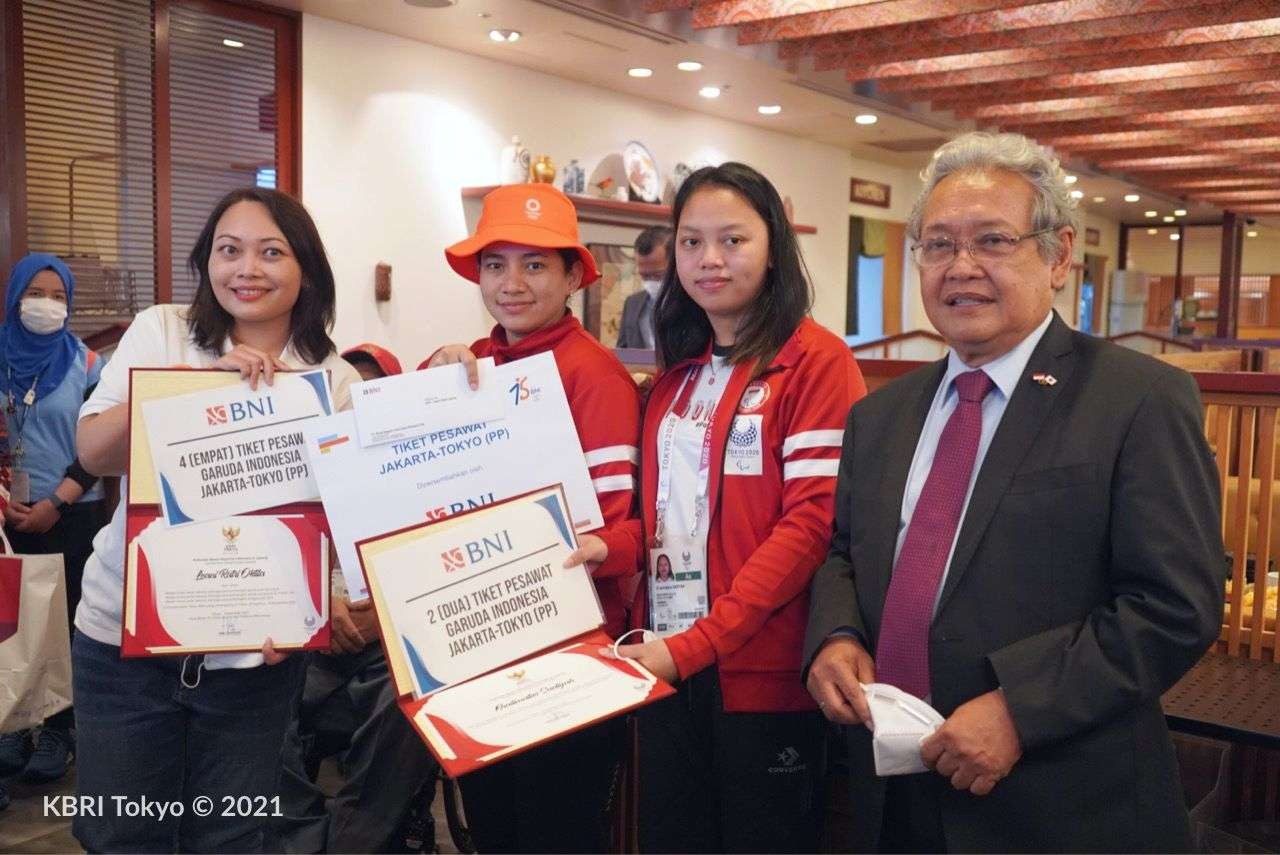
x,y
527,260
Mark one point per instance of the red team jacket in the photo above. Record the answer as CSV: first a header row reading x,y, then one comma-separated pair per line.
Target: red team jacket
x,y
605,405
768,532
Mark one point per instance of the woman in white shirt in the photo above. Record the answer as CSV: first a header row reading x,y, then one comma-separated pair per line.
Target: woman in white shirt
x,y
170,730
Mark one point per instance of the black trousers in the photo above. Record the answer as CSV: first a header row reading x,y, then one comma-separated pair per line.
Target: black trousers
x,y
716,781
555,798
912,820
72,535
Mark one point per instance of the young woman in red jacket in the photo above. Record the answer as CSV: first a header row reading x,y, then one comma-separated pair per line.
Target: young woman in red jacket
x,y
740,447
527,260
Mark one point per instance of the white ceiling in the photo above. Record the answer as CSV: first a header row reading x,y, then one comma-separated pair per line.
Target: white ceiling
x,y
597,41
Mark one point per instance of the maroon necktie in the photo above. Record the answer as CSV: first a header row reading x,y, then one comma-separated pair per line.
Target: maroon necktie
x,y
902,652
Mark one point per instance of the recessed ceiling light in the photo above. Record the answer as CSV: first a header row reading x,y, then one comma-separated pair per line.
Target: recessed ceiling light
x,y
866,118
1077,194
709,91
233,43
1071,179
1167,219
1180,212
504,35
1147,213
1099,199
1132,197
1175,236
1251,234
640,71
1152,231
689,65
769,109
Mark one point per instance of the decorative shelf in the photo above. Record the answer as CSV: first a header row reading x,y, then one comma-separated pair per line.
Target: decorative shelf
x,y
612,212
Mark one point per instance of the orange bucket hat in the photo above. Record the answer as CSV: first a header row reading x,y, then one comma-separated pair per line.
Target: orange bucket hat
x,y
386,359
527,214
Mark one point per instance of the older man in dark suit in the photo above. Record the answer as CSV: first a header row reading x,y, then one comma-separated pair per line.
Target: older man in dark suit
x,y
1027,535
652,248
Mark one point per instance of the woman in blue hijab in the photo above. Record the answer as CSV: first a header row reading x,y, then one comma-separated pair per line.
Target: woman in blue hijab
x,y
46,373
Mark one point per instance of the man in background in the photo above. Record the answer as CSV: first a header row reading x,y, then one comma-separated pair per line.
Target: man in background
x,y
652,246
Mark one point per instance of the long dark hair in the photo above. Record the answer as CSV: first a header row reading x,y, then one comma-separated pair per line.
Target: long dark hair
x,y
312,315
682,328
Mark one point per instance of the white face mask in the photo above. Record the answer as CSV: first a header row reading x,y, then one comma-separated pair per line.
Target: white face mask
x,y
42,315
652,286
899,723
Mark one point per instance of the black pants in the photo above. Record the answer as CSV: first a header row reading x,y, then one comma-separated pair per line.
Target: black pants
x,y
716,781
72,535
348,707
912,820
555,798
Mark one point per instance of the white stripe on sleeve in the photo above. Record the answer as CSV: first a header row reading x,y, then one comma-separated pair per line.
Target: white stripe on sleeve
x,y
612,454
812,439
810,469
612,483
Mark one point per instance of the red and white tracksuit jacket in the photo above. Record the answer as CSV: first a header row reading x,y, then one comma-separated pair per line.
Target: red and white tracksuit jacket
x,y
605,405
768,532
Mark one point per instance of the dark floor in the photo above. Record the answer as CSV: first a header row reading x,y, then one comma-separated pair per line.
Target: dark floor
x,y
25,828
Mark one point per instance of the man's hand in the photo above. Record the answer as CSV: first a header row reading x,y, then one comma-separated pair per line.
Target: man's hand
x,y
455,353
344,636
654,655
835,679
365,619
976,746
40,517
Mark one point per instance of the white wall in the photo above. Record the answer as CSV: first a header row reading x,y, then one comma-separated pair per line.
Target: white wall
x,y
393,128
1201,252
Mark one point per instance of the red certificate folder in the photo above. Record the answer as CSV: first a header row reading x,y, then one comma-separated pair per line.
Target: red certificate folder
x,y
143,631
471,717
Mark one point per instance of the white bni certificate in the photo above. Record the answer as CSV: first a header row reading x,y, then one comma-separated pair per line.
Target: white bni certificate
x,y
468,594
404,406
226,585
232,450
371,491
530,702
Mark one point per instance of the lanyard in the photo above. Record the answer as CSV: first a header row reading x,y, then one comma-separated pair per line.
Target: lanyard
x,y
666,446
20,424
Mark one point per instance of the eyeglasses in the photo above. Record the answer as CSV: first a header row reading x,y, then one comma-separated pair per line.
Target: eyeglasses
x,y
992,246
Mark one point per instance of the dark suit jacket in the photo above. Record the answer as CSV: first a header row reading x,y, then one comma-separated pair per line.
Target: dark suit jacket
x,y
629,334
1086,580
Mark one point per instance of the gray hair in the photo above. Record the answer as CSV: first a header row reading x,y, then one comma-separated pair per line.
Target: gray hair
x,y
979,151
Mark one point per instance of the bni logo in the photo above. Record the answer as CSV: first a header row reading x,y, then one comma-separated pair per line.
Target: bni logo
x,y
239,411
453,559
216,415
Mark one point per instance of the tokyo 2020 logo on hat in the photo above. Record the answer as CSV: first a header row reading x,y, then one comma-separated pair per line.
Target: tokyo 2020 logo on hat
x,y
532,208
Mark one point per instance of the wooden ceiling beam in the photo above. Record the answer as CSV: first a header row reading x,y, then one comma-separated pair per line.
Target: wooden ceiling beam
x,y
725,13
919,42
1265,148
1193,119
1230,182
1167,163
1119,67
949,18
942,21
1237,197
1186,137
976,101
1138,97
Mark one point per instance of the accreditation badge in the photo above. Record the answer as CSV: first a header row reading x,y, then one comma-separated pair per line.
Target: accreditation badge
x,y
677,583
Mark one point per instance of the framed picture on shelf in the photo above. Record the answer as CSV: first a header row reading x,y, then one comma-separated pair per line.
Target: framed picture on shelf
x,y
600,304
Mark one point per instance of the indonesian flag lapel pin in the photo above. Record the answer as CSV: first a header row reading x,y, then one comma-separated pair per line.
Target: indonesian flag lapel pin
x,y
1044,378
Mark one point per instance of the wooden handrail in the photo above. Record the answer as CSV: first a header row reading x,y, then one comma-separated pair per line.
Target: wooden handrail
x,y
1163,339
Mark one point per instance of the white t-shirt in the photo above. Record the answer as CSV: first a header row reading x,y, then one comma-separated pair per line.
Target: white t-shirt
x,y
686,452
157,338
